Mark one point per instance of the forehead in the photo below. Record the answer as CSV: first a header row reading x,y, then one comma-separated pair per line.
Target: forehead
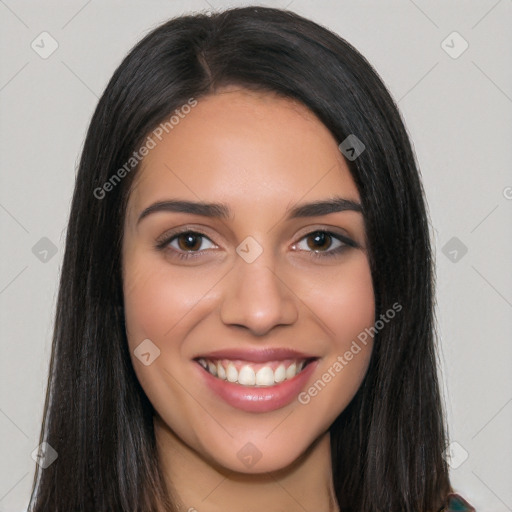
x,y
244,148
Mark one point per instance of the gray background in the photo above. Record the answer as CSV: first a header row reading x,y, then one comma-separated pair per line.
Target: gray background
x,y
458,112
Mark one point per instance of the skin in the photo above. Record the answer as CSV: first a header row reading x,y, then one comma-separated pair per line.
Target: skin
x,y
255,152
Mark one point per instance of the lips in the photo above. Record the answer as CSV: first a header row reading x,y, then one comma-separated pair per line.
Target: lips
x,y
256,355
256,380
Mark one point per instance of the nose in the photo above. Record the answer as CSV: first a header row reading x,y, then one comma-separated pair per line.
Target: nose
x,y
257,298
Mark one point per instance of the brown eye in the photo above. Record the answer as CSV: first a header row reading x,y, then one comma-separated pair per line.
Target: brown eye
x,y
324,243
189,241
320,240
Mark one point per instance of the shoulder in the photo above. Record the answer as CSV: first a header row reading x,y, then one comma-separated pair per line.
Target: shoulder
x,y
456,503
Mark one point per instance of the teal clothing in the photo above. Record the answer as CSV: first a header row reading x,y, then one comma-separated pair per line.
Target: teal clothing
x,y
455,503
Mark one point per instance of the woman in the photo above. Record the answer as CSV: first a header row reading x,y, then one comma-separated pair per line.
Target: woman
x,y
245,317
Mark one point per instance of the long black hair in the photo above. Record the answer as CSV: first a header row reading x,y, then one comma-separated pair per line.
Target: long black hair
x,y
387,445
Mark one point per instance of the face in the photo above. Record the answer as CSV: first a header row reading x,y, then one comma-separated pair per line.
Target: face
x,y
241,317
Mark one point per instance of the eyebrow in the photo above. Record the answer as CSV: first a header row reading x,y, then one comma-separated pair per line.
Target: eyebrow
x,y
222,211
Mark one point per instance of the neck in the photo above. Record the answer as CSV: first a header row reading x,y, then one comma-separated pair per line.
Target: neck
x,y
200,486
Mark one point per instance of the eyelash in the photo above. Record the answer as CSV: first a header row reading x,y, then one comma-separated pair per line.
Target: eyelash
x,y
163,244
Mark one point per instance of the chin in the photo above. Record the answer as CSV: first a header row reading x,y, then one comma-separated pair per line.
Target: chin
x,y
261,455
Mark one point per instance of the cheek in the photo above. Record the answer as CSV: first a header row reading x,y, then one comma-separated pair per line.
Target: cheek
x,y
344,299
158,301
162,304
345,305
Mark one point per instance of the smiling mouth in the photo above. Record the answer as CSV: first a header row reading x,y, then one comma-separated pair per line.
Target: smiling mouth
x,y
252,374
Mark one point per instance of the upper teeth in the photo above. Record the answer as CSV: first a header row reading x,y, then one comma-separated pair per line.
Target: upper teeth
x,y
250,374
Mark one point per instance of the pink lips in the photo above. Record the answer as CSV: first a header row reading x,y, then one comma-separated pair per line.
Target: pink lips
x,y
253,398
256,355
